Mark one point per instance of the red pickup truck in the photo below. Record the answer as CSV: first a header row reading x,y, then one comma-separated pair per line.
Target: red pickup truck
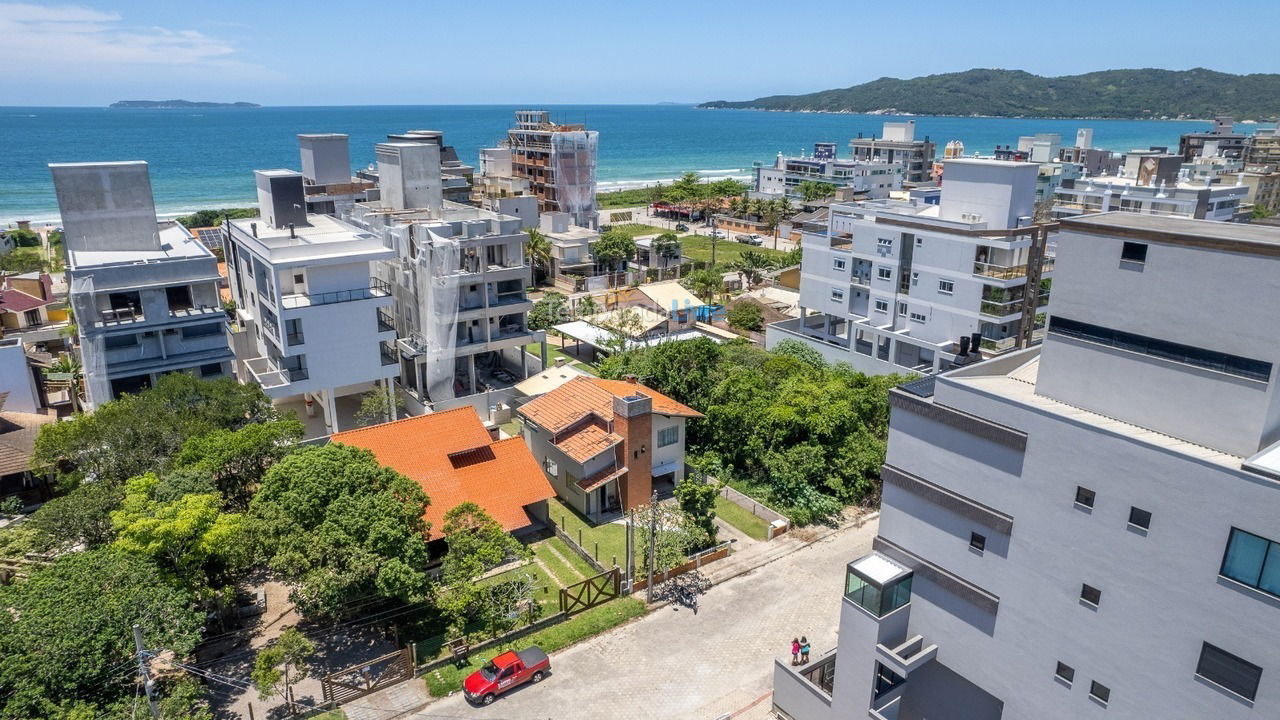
x,y
509,670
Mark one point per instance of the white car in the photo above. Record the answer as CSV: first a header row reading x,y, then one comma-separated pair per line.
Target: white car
x,y
751,239
718,234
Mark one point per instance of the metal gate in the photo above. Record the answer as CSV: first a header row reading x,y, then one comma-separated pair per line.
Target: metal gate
x,y
359,680
591,592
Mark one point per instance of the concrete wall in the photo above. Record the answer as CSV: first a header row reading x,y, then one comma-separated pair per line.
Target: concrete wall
x,y
409,175
325,158
16,379
999,191
106,206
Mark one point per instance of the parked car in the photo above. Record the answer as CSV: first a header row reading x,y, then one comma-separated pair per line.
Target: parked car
x,y
749,238
717,234
506,672
681,227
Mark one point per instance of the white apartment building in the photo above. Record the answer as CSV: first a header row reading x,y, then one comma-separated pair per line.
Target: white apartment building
x,y
1090,528
314,325
457,277
898,145
570,245
144,293
328,183
871,178
904,286
1152,183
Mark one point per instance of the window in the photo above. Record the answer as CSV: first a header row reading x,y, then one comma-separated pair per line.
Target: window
x,y
297,279
669,436
179,298
1090,594
120,341
1228,671
1134,252
1139,518
886,680
946,287
837,295
1252,560
1085,497
886,243
977,542
884,273
882,306
210,369
902,309
1099,692
194,331
551,466
1162,349
839,264
1065,673
918,317
293,331
879,601
919,242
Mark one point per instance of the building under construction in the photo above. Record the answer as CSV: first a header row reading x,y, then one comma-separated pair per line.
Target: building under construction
x,y
559,161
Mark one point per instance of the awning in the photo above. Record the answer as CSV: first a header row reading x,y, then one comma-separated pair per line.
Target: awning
x,y
669,466
591,483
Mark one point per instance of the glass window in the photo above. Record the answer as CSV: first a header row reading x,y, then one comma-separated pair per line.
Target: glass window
x,y
1085,496
977,542
120,341
1090,594
1228,671
882,306
1134,252
886,680
863,593
1065,672
946,286
839,263
837,295
1139,518
193,331
669,436
1099,692
884,273
1252,560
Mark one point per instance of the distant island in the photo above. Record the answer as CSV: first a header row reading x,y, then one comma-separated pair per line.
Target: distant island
x,y
1146,93
179,104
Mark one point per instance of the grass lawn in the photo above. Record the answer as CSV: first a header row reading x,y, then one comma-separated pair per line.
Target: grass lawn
x,y
698,247
592,622
548,592
554,352
612,537
741,518
637,229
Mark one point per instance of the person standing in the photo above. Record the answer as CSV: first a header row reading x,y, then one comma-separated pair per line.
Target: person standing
x,y
804,650
795,651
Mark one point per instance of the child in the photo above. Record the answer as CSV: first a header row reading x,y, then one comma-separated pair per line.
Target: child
x,y
804,650
795,651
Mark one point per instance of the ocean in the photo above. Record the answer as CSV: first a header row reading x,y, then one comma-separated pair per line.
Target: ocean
x,y
205,158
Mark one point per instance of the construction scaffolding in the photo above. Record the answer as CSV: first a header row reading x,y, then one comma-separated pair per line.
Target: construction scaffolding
x,y
440,288
93,360
573,158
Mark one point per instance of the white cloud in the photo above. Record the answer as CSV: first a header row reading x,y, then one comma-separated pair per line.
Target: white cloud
x,y
49,40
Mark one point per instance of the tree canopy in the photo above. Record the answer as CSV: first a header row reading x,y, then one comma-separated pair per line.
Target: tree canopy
x,y
339,528
551,309
614,248
66,632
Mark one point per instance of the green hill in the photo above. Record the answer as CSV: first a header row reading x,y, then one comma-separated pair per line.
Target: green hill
x,y
1196,93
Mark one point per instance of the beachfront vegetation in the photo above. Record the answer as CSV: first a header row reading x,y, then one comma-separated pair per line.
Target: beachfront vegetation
x,y
211,218
688,189
782,425
614,248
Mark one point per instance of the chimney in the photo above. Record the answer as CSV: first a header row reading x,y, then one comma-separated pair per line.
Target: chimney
x,y
633,420
631,379
291,232
561,361
254,228
964,346
976,343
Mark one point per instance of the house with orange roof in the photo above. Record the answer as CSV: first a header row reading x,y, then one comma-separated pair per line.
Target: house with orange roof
x,y
455,459
607,444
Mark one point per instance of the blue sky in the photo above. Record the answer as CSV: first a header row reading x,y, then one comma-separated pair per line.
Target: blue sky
x,y
278,52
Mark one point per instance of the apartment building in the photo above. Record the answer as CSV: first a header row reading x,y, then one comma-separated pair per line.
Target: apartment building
x,y
1263,147
898,144
570,245
1230,143
559,163
457,277
144,292
1153,183
1088,528
906,286
866,179
327,182
313,325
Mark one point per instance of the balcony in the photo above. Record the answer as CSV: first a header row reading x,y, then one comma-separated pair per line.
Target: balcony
x,y
376,289
804,691
1000,272
195,311
295,338
265,374
388,354
385,323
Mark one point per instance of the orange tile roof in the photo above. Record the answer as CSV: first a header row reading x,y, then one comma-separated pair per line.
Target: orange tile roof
x,y
588,441
451,456
567,404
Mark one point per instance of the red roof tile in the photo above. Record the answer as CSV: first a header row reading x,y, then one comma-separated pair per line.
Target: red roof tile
x,y
18,301
569,403
453,459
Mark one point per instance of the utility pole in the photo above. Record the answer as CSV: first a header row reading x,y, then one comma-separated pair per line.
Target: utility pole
x,y
713,242
145,672
653,536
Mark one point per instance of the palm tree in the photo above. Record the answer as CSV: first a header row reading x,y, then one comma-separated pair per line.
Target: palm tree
x,y
69,364
587,306
704,283
751,266
755,206
738,206
771,215
538,249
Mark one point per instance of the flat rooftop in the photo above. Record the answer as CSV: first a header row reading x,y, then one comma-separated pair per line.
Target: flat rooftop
x,y
323,236
1209,234
1128,182
176,243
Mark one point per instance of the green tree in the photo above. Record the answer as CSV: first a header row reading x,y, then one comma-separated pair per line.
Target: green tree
x,y
236,460
704,283
66,632
751,266
69,364
587,306
771,215
23,260
677,534
537,248
667,247
745,315
81,517
375,408
477,544
211,218
552,309
815,191
623,326
281,665
801,351
24,238
697,497
190,536
138,433
614,249
339,527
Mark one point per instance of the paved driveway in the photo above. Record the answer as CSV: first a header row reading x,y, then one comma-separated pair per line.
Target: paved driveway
x,y
675,664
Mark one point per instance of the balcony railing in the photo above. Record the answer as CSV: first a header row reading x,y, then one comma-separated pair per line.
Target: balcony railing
x,y
388,354
1001,272
295,338
196,311
377,289
385,323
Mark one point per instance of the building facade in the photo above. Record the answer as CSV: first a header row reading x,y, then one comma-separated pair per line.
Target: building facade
x,y
898,145
1230,143
894,286
313,323
1153,183
144,293
1046,548
558,161
866,179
